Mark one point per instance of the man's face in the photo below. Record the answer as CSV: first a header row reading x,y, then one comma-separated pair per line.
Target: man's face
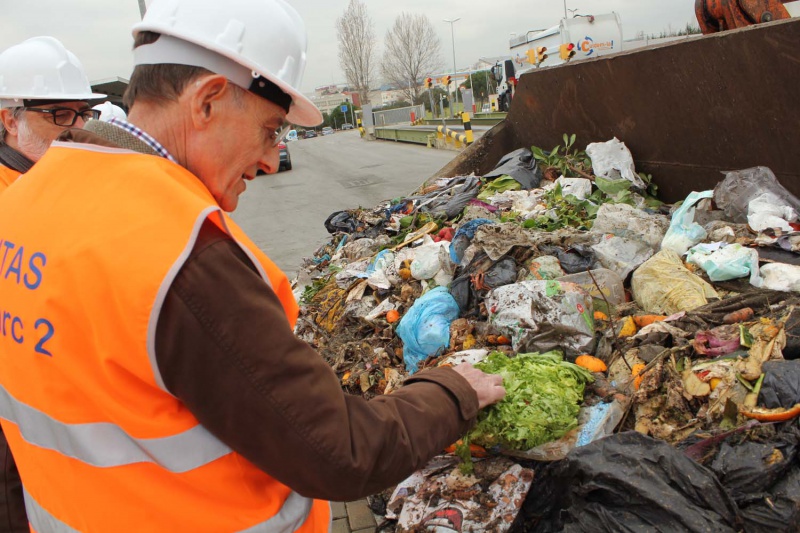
x,y
33,131
238,144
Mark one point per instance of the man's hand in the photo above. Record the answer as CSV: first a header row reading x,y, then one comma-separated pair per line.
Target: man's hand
x,y
489,387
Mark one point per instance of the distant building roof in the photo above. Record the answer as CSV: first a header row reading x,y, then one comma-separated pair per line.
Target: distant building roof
x,y
113,87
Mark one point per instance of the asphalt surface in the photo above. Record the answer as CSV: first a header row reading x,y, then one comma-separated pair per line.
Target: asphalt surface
x,y
284,213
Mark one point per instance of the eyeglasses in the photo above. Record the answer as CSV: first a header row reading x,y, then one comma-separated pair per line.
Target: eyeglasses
x,y
64,116
280,134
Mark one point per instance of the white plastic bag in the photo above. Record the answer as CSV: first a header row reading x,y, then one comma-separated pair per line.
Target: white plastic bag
x,y
684,232
580,188
613,160
769,211
779,277
723,262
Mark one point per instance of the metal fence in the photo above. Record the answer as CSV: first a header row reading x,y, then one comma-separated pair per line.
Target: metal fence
x,y
398,116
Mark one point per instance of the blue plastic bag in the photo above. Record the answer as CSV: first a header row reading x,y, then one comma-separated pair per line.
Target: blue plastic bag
x,y
425,328
463,236
684,232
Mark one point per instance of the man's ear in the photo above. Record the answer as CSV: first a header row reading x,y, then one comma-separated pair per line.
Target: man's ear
x,y
10,123
205,97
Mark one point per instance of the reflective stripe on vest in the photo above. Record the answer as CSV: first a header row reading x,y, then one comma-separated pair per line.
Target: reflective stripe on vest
x,y
294,512
99,441
105,445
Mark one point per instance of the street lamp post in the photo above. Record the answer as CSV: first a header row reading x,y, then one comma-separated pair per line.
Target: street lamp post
x,y
453,37
565,8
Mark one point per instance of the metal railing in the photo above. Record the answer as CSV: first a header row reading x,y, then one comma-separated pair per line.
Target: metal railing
x,y
398,116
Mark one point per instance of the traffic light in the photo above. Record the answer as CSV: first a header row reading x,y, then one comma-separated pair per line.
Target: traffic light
x,y
446,81
540,54
428,83
531,56
567,51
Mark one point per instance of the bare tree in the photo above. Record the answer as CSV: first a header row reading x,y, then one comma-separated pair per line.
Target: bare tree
x,y
413,52
356,47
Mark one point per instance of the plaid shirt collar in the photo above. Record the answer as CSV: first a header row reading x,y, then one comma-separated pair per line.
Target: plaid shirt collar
x,y
143,136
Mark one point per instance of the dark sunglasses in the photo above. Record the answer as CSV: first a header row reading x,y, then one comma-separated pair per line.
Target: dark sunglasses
x,y
64,116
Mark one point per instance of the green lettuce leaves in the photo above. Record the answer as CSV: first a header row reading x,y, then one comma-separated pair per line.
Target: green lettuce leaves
x,y
543,397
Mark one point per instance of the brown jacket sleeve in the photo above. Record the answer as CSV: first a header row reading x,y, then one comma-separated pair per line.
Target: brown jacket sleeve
x,y
225,348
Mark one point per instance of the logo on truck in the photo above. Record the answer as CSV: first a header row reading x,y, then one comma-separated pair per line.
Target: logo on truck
x,y
588,46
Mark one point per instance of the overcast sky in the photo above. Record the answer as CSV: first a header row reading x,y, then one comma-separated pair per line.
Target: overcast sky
x,y
98,31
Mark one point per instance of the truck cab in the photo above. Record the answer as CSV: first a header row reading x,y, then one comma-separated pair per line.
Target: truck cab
x,y
505,74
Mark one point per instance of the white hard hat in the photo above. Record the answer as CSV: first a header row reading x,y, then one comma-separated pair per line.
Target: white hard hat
x,y
259,45
42,69
109,111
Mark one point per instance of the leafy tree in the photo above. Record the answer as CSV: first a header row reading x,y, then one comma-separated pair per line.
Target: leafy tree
x,y
412,52
356,35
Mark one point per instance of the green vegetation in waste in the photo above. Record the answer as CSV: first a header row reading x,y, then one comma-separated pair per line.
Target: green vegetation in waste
x,y
567,211
543,397
568,161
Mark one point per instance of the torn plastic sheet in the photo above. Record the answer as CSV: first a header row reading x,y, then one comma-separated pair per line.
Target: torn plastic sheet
x,y
445,500
540,316
740,187
613,160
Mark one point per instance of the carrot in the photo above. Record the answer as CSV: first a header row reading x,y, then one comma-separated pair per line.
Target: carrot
x,y
645,320
590,363
771,415
474,449
501,339
599,315
636,372
392,316
742,315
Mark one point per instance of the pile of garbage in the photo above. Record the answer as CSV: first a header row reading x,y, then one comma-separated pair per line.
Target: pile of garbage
x,y
650,351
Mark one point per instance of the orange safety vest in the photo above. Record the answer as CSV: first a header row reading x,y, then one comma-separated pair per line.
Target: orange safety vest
x,y
7,177
90,243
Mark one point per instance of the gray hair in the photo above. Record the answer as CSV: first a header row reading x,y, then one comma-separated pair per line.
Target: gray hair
x,y
16,113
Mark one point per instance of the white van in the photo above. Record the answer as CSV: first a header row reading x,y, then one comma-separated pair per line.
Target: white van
x,y
292,135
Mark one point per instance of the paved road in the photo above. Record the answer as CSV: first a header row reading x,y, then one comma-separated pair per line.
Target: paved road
x,y
284,213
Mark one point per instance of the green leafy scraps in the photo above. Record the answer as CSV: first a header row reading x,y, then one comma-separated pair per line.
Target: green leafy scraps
x,y
569,162
543,397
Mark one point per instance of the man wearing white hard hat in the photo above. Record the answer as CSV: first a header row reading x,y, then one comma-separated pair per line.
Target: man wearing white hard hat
x,y
43,91
108,111
151,378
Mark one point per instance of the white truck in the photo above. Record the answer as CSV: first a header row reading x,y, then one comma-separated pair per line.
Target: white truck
x,y
590,36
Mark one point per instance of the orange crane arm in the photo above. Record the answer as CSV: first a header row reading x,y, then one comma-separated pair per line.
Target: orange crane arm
x,y
721,15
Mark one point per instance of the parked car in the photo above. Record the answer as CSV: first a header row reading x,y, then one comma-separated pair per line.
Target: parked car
x,y
286,158
347,126
327,130
310,134
291,136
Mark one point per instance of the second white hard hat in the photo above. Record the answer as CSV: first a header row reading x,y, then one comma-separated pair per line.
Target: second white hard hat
x,y
42,69
259,45
109,111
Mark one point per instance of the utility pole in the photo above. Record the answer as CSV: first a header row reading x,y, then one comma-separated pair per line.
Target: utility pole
x,y
565,8
142,8
455,71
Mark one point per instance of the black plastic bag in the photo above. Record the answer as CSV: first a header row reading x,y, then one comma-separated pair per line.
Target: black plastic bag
x,y
629,483
792,328
764,480
781,386
578,258
521,166
451,203
341,221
